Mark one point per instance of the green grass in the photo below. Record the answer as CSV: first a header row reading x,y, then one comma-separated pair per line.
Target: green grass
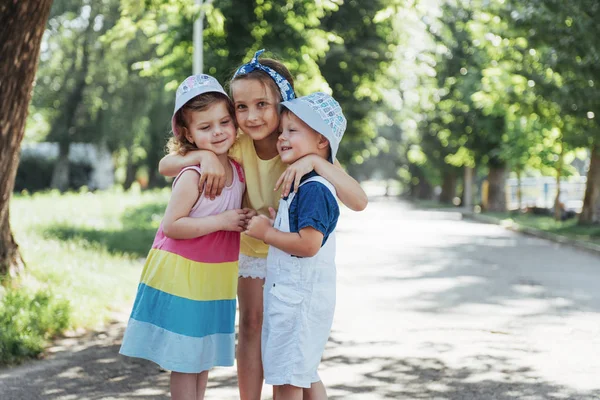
x,y
568,228
86,248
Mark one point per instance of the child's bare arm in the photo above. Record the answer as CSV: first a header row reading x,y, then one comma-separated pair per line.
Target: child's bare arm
x,y
213,173
305,243
171,164
348,189
177,224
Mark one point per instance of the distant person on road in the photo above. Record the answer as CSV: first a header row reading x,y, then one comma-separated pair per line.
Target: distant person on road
x,y
300,286
183,317
257,88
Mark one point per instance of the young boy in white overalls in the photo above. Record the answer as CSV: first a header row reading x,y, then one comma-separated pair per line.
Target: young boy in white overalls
x,y
299,291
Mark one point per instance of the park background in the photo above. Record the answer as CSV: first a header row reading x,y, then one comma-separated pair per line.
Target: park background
x,y
486,105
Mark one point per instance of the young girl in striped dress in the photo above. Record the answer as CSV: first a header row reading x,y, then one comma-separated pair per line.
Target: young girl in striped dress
x,y
183,317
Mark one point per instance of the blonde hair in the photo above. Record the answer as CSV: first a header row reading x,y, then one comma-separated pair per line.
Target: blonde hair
x,y
179,143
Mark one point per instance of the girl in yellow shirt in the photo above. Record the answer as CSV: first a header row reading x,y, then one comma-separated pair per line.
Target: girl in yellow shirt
x,y
257,88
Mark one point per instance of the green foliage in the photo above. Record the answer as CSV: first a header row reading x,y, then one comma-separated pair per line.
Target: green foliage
x,y
563,37
355,66
125,58
28,319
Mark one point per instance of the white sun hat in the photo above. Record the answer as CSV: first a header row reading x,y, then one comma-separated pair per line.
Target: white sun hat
x,y
191,87
322,113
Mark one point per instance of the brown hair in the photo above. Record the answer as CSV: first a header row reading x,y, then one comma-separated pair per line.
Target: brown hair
x,y
179,143
265,78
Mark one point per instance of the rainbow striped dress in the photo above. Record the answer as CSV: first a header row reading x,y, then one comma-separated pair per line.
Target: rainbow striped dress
x,y
183,317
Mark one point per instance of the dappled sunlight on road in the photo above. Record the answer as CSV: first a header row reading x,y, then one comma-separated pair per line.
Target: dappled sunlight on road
x,y
474,290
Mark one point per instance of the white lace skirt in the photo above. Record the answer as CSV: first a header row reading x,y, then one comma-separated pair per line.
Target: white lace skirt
x,y
252,267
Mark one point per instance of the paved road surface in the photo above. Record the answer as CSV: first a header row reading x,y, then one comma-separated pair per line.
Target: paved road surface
x,y
429,307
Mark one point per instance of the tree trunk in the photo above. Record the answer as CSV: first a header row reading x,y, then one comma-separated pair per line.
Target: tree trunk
x,y
519,191
558,207
467,201
22,25
590,212
424,190
448,185
60,175
64,126
130,169
497,192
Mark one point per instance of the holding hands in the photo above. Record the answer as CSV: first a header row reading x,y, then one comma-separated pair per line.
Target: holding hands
x,y
237,220
233,220
259,225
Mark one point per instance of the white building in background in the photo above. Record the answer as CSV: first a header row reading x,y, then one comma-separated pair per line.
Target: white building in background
x,y
96,156
541,192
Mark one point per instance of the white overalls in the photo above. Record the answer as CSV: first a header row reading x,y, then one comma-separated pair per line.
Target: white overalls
x,y
299,303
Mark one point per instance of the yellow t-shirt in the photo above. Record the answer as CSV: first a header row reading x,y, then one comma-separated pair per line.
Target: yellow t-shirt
x,y
261,176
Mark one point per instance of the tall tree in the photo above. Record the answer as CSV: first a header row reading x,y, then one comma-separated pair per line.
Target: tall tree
x,y
567,32
21,28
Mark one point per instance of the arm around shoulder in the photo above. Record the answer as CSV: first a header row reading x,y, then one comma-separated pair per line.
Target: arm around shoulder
x,y
176,223
171,164
347,188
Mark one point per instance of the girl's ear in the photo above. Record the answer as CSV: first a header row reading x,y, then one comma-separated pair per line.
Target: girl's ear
x,y
323,142
187,134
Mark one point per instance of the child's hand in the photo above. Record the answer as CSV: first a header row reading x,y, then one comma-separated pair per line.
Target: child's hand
x,y
259,225
294,172
249,213
213,177
233,220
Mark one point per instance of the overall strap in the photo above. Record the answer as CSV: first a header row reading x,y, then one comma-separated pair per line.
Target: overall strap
x,y
323,181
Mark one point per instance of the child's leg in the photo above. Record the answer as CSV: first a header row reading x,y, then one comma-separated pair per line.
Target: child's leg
x,y
201,381
249,362
287,392
315,392
183,386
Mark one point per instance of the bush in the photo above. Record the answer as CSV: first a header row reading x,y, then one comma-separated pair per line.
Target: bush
x,y
28,320
35,174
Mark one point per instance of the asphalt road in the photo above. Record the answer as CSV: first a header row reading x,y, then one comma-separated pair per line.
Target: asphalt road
x,y
430,306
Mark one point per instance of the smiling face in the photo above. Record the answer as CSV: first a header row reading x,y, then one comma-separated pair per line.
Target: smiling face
x,y
255,108
297,139
211,129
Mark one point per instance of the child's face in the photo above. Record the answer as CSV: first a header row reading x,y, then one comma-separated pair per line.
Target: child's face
x,y
297,139
211,129
255,108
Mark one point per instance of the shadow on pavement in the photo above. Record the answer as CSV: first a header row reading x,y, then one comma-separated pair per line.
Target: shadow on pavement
x,y
91,368
431,378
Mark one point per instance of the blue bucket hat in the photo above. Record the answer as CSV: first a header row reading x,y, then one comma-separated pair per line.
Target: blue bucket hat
x,y
322,113
191,87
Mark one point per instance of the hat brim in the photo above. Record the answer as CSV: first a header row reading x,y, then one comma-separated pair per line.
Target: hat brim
x,y
184,98
312,118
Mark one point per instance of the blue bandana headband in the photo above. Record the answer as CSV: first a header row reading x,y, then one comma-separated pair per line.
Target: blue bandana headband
x,y
286,90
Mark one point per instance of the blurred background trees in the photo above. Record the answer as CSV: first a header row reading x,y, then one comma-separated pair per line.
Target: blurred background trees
x,y
485,103
446,100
